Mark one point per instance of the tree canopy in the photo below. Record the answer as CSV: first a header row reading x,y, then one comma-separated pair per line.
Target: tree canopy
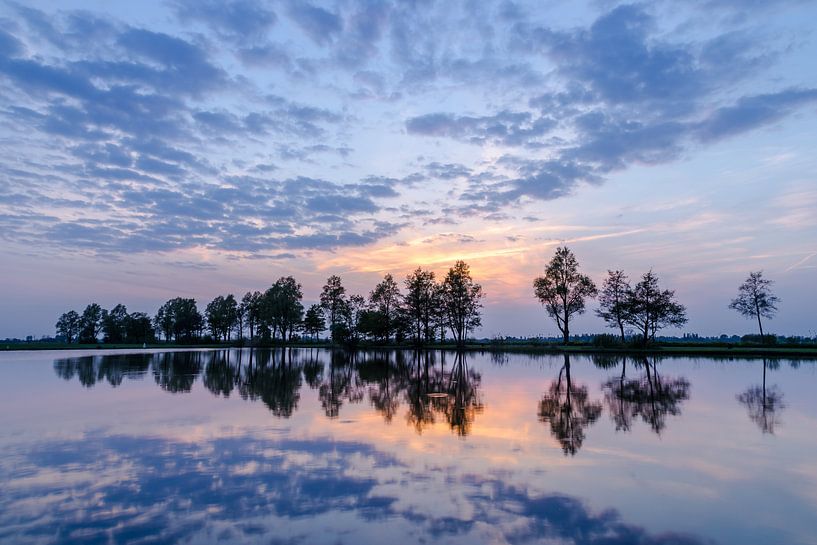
x,y
563,290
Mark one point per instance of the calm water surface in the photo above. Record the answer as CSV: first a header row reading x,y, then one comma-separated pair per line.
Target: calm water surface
x,y
309,446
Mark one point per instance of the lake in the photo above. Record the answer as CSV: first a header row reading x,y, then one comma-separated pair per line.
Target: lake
x,y
313,446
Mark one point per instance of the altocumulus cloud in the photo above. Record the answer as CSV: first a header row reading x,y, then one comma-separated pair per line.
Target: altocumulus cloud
x,y
124,137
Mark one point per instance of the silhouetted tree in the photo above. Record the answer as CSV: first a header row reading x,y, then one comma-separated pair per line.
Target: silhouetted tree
x,y
613,300
421,303
68,326
332,301
314,321
115,324
281,309
139,329
650,309
240,317
222,315
563,290
763,404
373,324
90,324
461,300
252,309
347,329
385,299
755,299
179,319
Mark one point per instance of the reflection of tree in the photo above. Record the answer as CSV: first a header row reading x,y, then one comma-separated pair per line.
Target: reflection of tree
x,y
176,372
568,410
621,409
431,391
112,368
341,383
763,403
384,388
276,380
651,397
313,369
464,401
418,387
220,375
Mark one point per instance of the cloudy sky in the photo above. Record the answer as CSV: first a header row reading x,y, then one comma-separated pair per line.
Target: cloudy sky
x,y
194,148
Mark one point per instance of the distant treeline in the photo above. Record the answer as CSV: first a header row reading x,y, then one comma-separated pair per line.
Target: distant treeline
x,y
425,311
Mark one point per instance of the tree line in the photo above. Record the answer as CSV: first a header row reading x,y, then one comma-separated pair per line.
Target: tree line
x,y
424,311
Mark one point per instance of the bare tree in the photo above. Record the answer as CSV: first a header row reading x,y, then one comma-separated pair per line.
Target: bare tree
x,y
755,299
563,290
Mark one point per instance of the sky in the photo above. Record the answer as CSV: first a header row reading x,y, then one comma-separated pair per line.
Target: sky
x,y
194,148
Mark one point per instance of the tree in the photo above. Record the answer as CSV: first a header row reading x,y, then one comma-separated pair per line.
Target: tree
x,y
332,301
755,299
115,324
90,324
179,319
421,303
139,329
613,299
252,308
385,298
314,321
68,326
650,309
347,329
240,315
372,324
462,301
563,290
222,315
282,310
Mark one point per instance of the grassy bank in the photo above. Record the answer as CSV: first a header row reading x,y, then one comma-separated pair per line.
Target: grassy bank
x,y
798,351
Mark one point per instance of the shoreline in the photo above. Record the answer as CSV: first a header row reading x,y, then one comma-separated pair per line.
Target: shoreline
x,y
809,351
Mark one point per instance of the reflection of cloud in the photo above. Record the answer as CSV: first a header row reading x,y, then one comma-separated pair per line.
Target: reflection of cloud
x,y
130,488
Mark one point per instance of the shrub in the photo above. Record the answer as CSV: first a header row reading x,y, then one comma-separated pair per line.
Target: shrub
x,y
606,340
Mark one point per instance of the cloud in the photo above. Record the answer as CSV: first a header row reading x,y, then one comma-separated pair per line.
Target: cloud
x,y
751,112
165,138
629,97
236,20
319,24
507,128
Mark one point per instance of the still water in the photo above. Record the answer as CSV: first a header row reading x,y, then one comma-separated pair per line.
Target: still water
x,y
313,446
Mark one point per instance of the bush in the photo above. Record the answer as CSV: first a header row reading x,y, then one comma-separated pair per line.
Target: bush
x,y
757,339
606,340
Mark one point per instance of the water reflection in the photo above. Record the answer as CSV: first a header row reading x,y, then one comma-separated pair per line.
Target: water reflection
x,y
764,403
431,390
649,396
248,489
569,411
521,450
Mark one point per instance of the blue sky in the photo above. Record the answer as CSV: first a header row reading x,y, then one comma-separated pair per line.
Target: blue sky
x,y
201,148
